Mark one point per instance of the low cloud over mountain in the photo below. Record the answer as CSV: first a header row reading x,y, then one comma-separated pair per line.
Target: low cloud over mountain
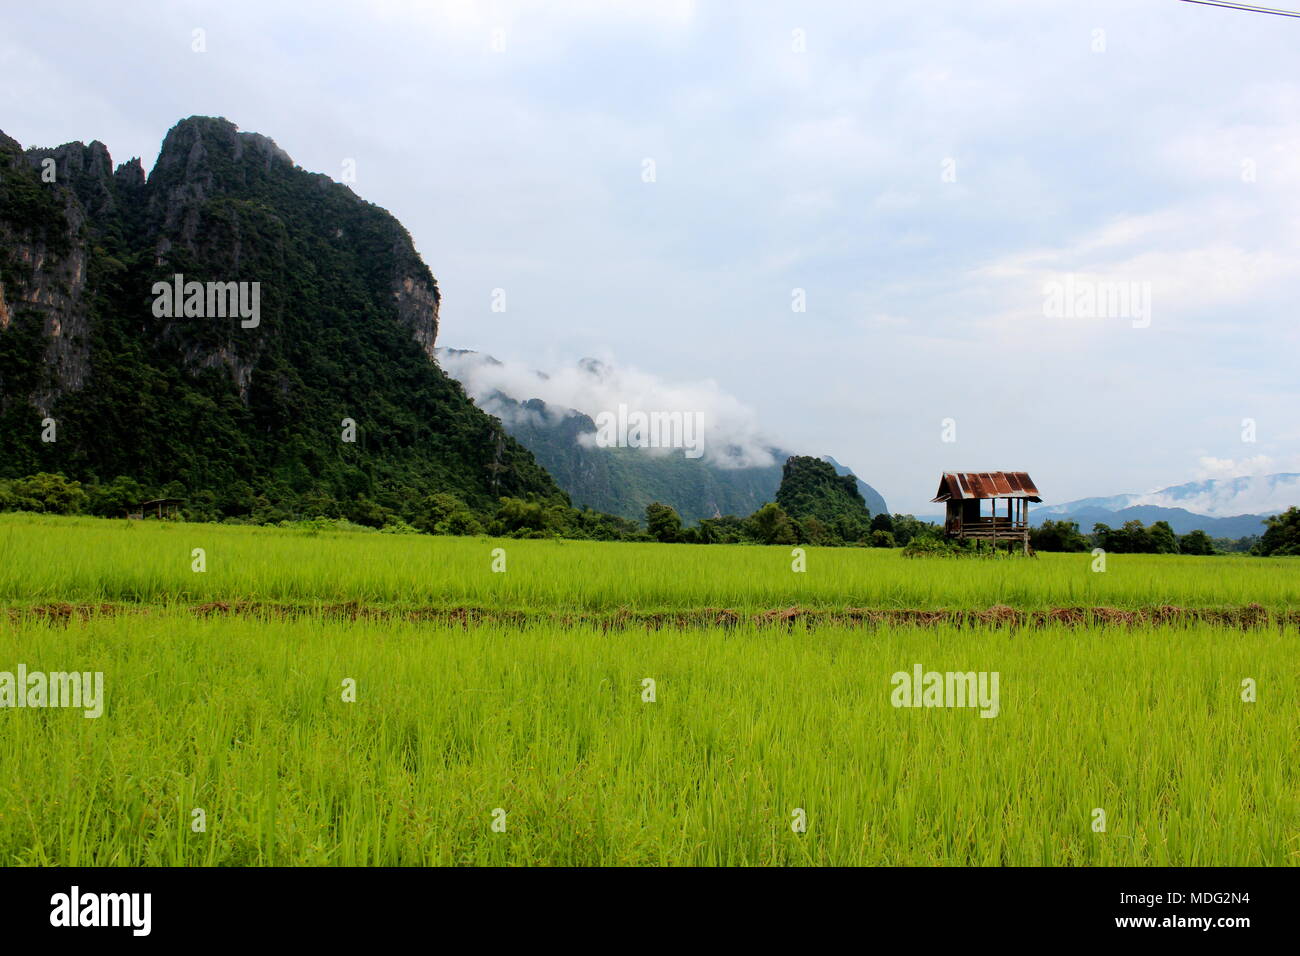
x,y
556,416
732,438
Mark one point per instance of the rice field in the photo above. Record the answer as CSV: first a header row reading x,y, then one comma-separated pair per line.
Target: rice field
x,y
245,719
46,559
319,738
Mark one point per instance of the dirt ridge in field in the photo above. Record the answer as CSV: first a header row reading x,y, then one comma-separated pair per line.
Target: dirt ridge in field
x,y
1243,616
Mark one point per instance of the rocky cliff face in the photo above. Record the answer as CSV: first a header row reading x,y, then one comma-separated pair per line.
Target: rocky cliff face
x,y
45,238
346,325
202,159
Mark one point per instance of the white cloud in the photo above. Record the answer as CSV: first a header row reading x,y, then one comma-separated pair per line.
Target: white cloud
x,y
1254,466
732,437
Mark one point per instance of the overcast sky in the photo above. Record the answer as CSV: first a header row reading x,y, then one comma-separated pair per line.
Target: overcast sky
x,y
921,171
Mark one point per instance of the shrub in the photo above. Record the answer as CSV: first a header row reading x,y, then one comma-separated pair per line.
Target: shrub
x,y
930,547
1281,534
49,493
1195,542
1058,536
117,498
662,522
771,525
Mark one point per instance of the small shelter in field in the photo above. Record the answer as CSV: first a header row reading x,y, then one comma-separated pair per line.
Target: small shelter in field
x,y
162,507
965,494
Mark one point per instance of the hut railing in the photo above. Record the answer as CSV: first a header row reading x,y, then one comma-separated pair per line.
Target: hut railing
x,y
990,527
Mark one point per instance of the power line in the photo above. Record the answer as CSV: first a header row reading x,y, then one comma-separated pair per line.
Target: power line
x,y
1246,7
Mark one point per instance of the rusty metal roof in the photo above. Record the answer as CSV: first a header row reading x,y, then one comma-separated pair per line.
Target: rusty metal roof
x,y
957,485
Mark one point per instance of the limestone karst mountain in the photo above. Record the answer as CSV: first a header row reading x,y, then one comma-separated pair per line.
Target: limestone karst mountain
x,y
195,399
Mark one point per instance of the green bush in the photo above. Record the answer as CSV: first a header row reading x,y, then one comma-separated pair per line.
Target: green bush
x,y
1195,542
1281,535
1058,536
771,525
662,522
45,492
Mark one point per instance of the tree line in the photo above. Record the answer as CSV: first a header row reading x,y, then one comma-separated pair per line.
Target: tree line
x,y
812,508
1281,537
534,516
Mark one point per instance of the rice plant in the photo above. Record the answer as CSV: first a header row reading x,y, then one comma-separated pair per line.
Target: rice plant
x,y
554,734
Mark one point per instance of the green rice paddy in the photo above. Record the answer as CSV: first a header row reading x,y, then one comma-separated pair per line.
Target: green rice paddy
x,y
535,742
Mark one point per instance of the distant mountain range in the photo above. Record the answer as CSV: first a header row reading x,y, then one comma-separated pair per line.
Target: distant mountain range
x,y
619,481
1214,497
1180,519
1221,507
